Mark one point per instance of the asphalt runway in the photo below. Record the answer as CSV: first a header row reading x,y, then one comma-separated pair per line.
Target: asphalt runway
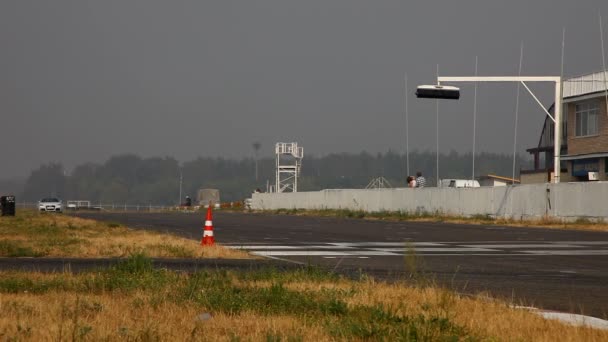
x,y
547,268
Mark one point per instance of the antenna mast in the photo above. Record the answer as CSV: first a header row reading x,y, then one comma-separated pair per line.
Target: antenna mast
x,y
604,63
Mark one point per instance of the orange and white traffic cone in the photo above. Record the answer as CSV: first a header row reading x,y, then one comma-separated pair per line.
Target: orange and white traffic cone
x,y
208,239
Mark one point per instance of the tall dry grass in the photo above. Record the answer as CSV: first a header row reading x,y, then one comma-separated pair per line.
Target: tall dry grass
x,y
31,234
137,317
180,310
483,316
488,318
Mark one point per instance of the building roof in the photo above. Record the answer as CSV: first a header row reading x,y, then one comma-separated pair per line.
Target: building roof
x,y
506,179
586,84
585,156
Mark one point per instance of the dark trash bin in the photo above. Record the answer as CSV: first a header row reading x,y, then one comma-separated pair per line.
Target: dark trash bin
x,y
8,205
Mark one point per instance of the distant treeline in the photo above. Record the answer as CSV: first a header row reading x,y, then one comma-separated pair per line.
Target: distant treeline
x,y
130,179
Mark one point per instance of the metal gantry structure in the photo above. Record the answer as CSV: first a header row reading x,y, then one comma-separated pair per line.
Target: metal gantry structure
x,y
379,183
445,92
288,164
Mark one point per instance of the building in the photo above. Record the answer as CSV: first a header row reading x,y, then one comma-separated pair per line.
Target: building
x,y
208,197
584,151
494,180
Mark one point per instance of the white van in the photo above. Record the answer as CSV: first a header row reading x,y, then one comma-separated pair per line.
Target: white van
x,y
458,183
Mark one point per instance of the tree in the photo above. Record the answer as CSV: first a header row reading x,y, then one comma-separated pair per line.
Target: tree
x,y
47,180
130,179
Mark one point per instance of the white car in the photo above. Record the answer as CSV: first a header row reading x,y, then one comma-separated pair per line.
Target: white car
x,y
50,204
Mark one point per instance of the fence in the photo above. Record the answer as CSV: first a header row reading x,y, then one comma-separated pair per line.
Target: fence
x,y
567,201
112,207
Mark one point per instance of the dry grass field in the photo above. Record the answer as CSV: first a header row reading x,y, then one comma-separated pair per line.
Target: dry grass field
x,y
33,234
134,302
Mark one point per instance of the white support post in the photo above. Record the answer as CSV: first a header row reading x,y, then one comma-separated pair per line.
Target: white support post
x,y
557,141
557,109
537,101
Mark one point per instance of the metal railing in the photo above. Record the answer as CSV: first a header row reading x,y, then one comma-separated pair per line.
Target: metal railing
x,y
111,207
123,207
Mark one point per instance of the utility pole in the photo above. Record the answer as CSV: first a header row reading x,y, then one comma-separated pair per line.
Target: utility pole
x,y
180,186
256,147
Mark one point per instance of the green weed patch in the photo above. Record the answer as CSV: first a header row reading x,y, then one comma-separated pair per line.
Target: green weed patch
x,y
17,249
131,301
233,293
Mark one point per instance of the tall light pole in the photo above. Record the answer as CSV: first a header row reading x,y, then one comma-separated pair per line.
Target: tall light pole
x,y
407,132
180,186
437,133
256,147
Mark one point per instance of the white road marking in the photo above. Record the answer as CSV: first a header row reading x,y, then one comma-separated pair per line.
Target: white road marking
x,y
374,253
279,247
299,253
575,319
468,254
323,253
569,252
580,242
333,257
523,246
437,249
385,244
399,248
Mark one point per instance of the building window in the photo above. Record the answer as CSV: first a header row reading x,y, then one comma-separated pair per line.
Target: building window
x,y
582,167
587,114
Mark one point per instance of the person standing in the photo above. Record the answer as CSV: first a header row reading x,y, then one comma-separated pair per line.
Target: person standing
x,y
411,182
420,180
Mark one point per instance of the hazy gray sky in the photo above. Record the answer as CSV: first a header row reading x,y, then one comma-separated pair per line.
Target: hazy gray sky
x,y
82,80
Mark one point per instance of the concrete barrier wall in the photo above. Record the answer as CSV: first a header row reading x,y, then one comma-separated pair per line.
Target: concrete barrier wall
x,y
565,200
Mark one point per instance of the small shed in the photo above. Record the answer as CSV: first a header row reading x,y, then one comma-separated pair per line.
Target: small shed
x,y
208,195
494,180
